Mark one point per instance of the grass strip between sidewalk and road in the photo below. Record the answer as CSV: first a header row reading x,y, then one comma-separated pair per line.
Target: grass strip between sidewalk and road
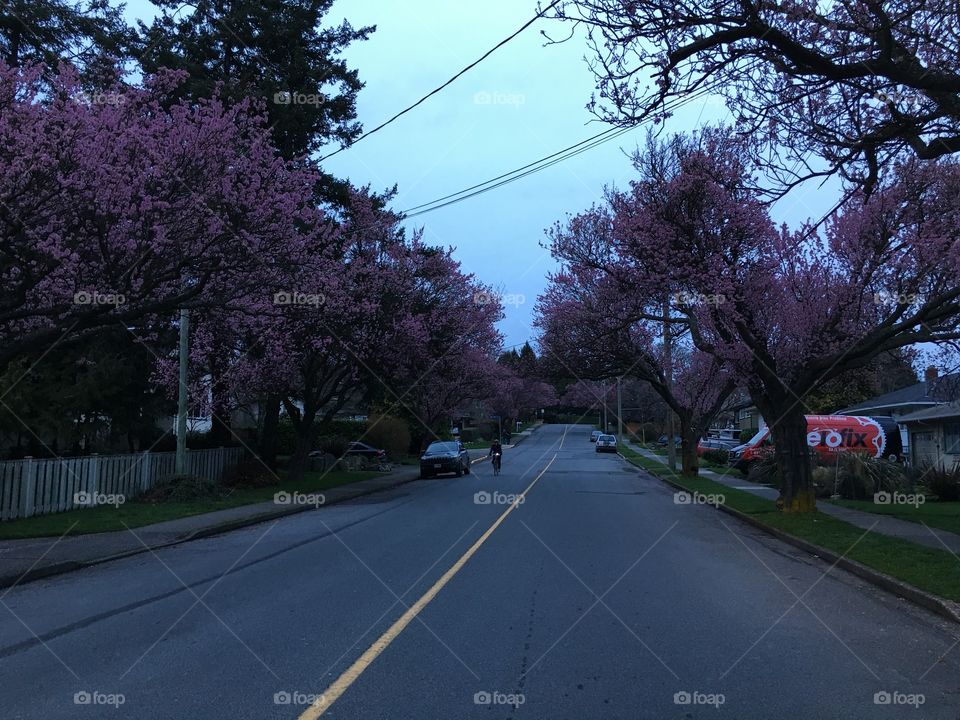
x,y
107,518
929,569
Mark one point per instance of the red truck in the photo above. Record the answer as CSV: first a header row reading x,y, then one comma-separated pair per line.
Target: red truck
x,y
878,437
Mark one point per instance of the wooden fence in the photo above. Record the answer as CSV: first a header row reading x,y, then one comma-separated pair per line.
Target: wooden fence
x,y
36,487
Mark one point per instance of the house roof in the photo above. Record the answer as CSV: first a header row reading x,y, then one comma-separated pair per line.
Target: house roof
x,y
917,394
938,412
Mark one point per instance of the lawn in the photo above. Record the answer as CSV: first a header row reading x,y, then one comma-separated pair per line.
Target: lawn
x,y
137,514
935,571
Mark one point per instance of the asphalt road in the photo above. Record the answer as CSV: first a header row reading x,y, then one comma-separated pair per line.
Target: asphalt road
x,y
598,597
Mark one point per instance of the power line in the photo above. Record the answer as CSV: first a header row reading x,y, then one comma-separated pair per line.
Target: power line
x,y
617,132
537,165
535,162
433,92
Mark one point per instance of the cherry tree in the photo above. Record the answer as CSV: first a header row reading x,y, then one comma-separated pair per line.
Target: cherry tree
x,y
368,314
855,83
592,329
786,311
124,207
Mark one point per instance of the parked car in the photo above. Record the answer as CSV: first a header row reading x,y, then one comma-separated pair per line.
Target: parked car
x,y
827,435
447,456
663,440
714,443
607,443
594,435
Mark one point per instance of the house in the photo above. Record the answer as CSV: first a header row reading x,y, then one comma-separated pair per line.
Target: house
x,y
930,392
934,436
747,419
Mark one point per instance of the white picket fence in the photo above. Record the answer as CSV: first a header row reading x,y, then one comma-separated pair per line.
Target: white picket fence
x,y
36,487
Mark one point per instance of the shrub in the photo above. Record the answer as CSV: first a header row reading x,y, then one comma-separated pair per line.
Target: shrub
x,y
716,457
469,434
824,480
945,484
388,433
250,473
858,477
764,471
336,445
182,488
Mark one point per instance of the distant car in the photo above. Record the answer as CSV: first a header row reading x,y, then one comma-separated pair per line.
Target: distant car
x,y
594,435
713,443
447,456
607,443
663,440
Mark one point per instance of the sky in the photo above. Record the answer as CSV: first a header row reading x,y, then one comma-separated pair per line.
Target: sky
x,y
524,102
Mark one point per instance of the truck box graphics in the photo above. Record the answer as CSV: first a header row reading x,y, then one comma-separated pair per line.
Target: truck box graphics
x,y
828,435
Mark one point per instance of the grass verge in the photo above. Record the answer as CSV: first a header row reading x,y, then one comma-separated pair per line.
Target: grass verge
x,y
137,514
929,569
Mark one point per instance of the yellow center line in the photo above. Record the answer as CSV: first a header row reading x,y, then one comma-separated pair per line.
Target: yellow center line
x,y
352,673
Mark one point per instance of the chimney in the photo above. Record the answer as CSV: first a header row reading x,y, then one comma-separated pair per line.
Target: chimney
x,y
930,377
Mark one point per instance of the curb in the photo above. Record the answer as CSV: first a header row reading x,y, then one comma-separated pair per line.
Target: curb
x,y
66,566
945,608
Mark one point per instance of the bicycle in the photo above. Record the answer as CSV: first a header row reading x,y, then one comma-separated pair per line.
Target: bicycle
x,y
496,463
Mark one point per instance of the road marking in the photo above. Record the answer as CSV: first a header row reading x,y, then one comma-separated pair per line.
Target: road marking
x,y
352,673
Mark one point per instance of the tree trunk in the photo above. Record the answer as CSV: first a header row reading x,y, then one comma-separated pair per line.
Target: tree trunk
x,y
303,426
269,431
789,434
689,436
301,454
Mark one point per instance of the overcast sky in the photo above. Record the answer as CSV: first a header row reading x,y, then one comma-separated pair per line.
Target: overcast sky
x,y
524,102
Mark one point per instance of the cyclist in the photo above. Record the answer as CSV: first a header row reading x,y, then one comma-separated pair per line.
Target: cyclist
x,y
495,454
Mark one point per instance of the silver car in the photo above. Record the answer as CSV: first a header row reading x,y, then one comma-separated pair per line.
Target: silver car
x,y
607,443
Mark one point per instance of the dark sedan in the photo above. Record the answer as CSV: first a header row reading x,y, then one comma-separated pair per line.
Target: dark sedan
x,y
444,457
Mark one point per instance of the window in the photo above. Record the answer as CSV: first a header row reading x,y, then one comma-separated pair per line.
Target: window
x,y
951,438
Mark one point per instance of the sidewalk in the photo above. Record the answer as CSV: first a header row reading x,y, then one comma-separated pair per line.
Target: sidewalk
x,y
890,526
34,558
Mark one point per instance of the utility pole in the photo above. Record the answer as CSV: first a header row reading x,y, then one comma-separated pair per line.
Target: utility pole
x,y
181,457
606,421
668,376
619,413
